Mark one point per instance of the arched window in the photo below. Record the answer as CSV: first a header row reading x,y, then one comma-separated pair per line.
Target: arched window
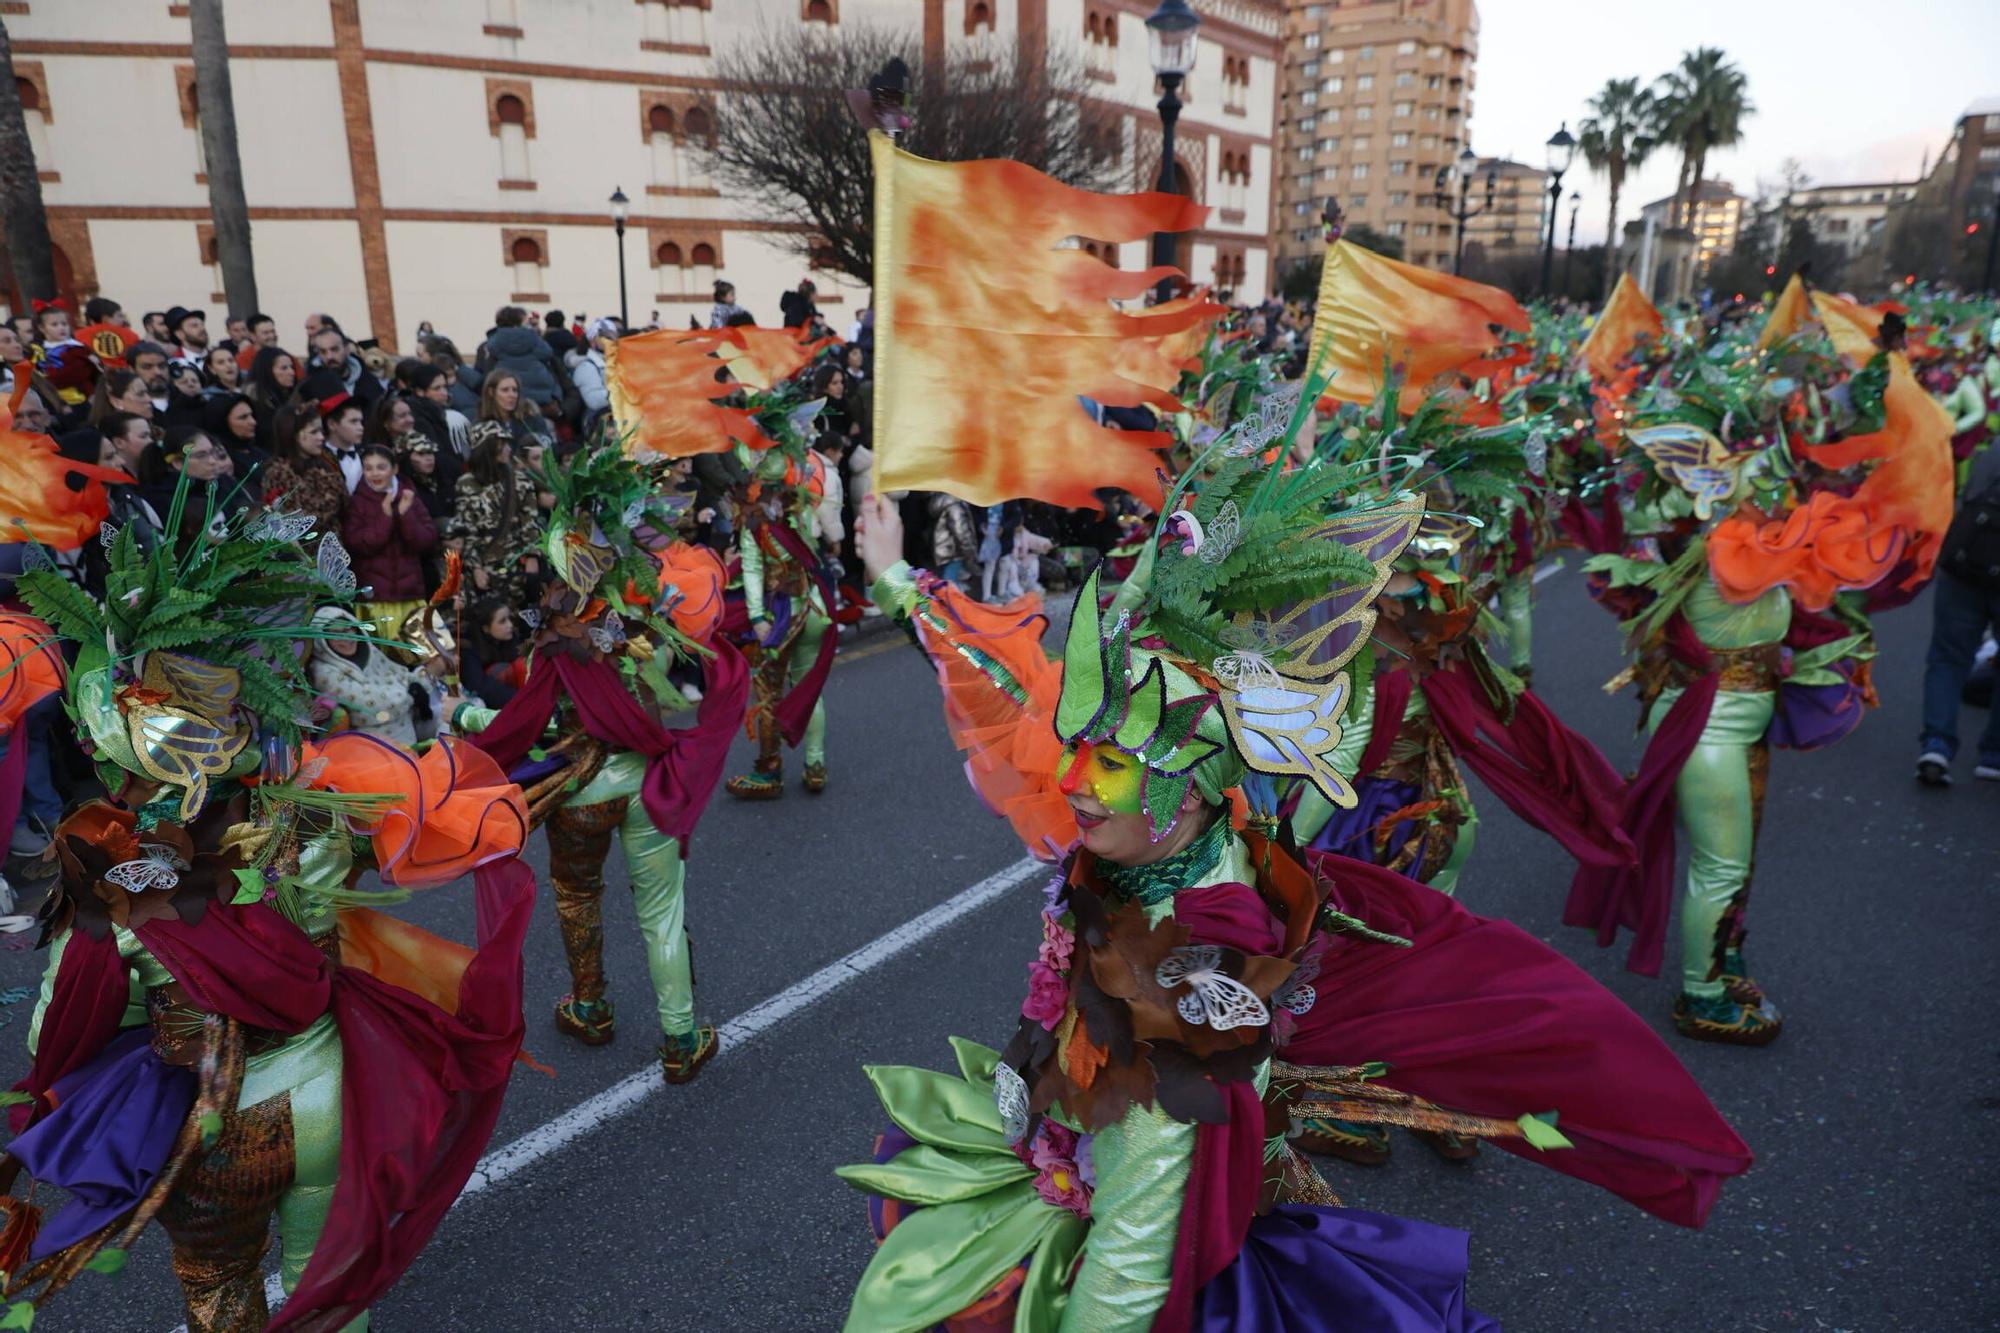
x,y
819,11
670,269
526,254
701,276
664,145
978,18
697,133
37,118
212,261
510,117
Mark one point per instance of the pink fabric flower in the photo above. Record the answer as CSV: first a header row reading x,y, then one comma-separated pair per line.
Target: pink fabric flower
x,y
1058,944
1048,995
1059,1183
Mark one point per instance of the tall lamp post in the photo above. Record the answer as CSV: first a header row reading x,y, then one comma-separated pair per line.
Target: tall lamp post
x,y
619,205
1170,30
1562,152
1569,247
1464,167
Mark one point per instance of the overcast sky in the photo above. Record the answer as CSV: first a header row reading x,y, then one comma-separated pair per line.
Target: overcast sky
x,y
1856,91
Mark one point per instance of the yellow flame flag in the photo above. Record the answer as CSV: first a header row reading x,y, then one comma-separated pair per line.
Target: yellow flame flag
x,y
1373,310
669,388
1626,315
988,331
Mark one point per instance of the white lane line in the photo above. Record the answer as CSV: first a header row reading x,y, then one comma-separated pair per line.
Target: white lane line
x,y
740,1031
1546,571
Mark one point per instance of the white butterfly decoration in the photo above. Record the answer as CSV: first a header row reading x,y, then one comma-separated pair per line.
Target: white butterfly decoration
x,y
1214,997
1269,418
633,513
336,569
139,876
1247,669
530,617
1010,1095
1299,995
107,536
1292,727
1224,531
278,526
35,559
609,635
1536,452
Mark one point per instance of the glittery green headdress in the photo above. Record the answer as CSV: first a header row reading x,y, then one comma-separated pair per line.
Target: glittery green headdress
x,y
1226,649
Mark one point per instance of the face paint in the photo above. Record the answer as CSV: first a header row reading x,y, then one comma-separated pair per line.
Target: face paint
x,y
1116,779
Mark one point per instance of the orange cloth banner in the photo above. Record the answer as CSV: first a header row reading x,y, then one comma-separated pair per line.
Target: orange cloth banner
x,y
1373,310
988,330
36,501
1626,315
31,667
667,388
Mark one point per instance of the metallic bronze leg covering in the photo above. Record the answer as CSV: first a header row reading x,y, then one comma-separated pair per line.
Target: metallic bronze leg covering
x,y
219,1218
767,688
579,840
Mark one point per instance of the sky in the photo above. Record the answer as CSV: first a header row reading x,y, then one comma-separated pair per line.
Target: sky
x,y
1855,91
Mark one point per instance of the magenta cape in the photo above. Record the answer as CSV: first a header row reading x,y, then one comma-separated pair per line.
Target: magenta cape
x,y
1481,1017
1547,774
420,1092
682,764
1640,896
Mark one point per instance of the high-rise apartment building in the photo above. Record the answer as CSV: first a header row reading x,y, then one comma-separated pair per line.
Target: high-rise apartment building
x,y
1516,217
1376,97
1715,216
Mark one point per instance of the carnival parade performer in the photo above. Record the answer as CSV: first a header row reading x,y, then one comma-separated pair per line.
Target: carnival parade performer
x,y
1111,1168
226,1032
781,613
625,601
1764,498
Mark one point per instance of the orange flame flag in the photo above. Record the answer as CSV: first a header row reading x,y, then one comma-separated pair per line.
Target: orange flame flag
x,y
1626,315
36,501
1373,310
988,331
668,387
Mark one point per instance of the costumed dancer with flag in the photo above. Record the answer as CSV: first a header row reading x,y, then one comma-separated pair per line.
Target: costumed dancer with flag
x,y
1114,1167
587,733
226,1031
1743,580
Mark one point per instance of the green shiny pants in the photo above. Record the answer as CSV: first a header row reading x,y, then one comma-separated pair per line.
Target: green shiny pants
x,y
579,842
1718,815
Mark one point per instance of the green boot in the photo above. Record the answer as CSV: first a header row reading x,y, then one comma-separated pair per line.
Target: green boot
x,y
1363,1145
1724,1020
683,1054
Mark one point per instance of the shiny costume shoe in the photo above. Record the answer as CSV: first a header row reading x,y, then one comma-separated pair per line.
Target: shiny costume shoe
x,y
1727,1021
757,786
815,778
1452,1147
683,1054
589,1021
1363,1145
1737,983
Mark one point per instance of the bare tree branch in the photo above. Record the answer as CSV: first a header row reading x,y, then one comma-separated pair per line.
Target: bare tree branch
x,y
786,141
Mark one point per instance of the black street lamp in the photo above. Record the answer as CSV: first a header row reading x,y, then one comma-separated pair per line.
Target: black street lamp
x,y
619,204
1569,248
1464,167
1170,29
1562,152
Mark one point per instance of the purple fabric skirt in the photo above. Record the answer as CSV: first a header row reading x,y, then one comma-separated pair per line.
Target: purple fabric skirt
x,y
114,1124
1352,832
1342,1270
1811,716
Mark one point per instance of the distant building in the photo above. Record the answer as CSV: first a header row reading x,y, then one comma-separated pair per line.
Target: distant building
x,y
1716,217
1947,215
1376,98
1848,216
1519,215
432,160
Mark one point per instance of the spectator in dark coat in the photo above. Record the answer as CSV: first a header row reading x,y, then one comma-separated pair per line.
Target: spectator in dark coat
x,y
798,306
514,346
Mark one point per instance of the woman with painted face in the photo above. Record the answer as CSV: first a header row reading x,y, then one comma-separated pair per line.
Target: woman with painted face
x,y
1199,980
388,531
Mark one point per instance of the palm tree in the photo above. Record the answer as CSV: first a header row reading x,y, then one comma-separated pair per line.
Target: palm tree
x,y
27,220
216,121
1616,138
1701,105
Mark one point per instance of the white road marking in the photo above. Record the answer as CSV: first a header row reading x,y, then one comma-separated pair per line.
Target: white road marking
x,y
1551,568
627,1094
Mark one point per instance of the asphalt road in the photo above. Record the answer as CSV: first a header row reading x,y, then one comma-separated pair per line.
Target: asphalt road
x,y
712,1207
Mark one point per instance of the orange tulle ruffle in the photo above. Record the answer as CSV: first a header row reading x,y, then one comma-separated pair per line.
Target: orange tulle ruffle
x,y
30,667
1830,544
451,809
1009,740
